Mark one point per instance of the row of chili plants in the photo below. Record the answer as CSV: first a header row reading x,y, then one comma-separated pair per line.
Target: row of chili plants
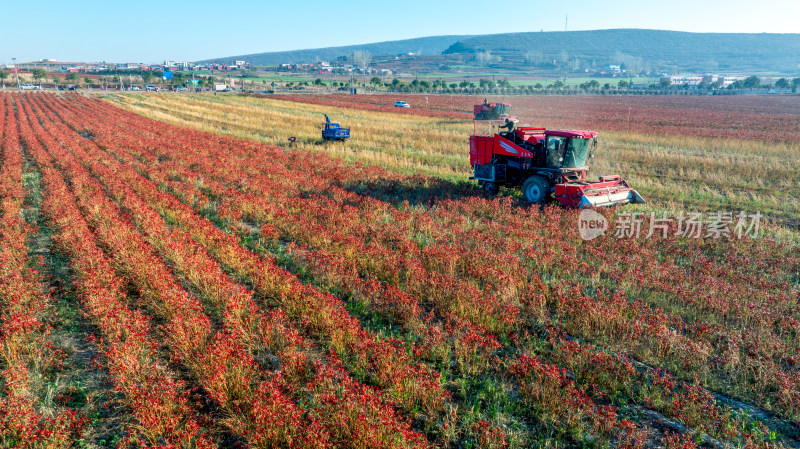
x,y
156,398
751,303
635,261
560,379
472,345
29,357
407,392
768,305
473,348
352,413
316,230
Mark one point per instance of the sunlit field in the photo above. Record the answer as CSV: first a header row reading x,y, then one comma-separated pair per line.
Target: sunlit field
x,y
672,171
175,274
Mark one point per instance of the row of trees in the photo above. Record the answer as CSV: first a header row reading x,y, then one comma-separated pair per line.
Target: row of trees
x,y
116,77
503,86
749,83
592,86
40,75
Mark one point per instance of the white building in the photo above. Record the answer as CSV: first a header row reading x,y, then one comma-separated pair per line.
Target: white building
x,y
680,80
727,80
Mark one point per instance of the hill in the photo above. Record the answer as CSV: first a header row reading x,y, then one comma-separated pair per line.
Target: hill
x,y
648,50
434,45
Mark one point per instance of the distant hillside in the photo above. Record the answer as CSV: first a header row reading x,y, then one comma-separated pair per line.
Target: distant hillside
x,y
422,45
639,49
649,51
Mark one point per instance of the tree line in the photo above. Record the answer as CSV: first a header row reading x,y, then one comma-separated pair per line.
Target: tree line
x,y
504,86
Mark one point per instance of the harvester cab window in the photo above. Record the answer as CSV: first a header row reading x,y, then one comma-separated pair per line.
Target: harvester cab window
x,y
575,155
556,147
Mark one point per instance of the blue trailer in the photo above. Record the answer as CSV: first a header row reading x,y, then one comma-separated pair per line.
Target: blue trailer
x,y
332,131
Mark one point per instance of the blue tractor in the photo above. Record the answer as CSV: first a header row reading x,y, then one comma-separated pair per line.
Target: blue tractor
x,y
332,131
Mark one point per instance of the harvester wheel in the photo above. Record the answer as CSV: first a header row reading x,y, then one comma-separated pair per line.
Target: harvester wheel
x,y
489,188
536,189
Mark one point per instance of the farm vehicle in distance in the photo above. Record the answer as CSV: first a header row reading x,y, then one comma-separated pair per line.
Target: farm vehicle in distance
x,y
332,131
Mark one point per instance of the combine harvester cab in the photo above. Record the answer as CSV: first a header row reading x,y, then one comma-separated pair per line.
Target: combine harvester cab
x,y
544,164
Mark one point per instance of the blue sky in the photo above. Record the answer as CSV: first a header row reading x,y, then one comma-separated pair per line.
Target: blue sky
x,y
151,31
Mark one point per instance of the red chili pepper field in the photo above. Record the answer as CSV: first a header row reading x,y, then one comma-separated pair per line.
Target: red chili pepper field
x,y
174,275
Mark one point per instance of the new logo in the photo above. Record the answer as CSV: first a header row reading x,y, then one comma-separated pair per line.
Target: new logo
x,y
591,224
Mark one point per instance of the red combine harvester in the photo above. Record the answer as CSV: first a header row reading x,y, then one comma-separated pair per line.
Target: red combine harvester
x,y
544,164
490,111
